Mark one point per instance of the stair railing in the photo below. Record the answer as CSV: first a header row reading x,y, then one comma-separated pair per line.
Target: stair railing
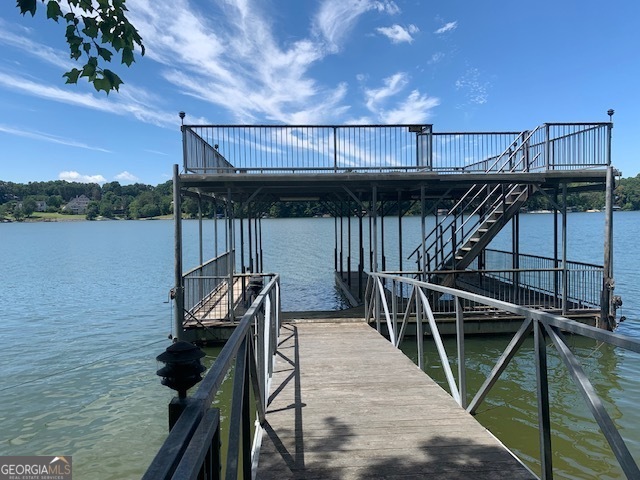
x,y
436,258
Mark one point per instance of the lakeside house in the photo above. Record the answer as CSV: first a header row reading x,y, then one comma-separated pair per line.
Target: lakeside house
x,y
77,205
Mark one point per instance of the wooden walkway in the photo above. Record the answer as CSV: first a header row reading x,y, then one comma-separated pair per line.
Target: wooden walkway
x,y
215,307
346,405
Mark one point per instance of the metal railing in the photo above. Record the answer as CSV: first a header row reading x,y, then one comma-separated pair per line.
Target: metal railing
x,y
192,448
306,148
382,306
544,276
388,148
202,282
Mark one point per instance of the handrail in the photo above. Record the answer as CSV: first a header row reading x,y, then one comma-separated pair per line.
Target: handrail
x,y
191,449
201,281
453,212
544,325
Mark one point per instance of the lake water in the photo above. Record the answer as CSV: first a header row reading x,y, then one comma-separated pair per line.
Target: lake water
x,y
84,312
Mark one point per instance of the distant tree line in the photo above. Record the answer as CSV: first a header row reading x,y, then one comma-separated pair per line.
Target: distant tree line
x,y
112,200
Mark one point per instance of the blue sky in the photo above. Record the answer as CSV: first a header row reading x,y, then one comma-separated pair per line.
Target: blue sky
x,y
461,65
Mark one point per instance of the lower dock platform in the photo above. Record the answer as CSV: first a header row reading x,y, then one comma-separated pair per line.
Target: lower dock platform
x,y
345,404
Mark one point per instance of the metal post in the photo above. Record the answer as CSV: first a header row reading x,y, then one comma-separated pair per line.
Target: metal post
x,y
232,252
215,228
547,148
419,332
383,259
341,242
515,260
607,280
361,262
200,229
462,372
374,212
349,244
423,230
335,149
544,422
335,242
556,283
179,286
565,280
261,255
250,233
242,260
399,232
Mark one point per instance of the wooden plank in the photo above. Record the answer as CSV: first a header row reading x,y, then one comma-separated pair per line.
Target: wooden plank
x,y
346,404
215,308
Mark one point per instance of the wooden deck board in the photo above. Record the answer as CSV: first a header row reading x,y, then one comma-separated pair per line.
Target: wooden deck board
x,y
346,405
215,308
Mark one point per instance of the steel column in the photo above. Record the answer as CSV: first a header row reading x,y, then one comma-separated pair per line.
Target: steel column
x,y
565,280
177,228
607,314
232,252
544,422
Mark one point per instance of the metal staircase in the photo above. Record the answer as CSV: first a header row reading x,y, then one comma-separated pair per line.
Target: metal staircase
x,y
469,226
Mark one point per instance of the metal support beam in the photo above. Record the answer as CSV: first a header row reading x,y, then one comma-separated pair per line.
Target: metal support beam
x,y
231,249
423,232
374,214
607,314
179,286
544,422
462,371
200,249
565,279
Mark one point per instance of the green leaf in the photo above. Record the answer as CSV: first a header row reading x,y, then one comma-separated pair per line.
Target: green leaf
x,y
89,70
105,53
90,27
72,76
69,17
86,5
102,84
127,57
27,6
53,10
113,79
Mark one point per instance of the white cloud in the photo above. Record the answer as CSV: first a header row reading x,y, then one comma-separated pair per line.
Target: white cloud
x,y
156,152
392,85
130,101
35,49
447,27
126,177
475,90
73,176
435,58
230,55
398,34
415,108
47,137
336,18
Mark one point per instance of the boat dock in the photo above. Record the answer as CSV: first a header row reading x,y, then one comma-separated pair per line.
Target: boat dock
x,y
345,404
332,395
